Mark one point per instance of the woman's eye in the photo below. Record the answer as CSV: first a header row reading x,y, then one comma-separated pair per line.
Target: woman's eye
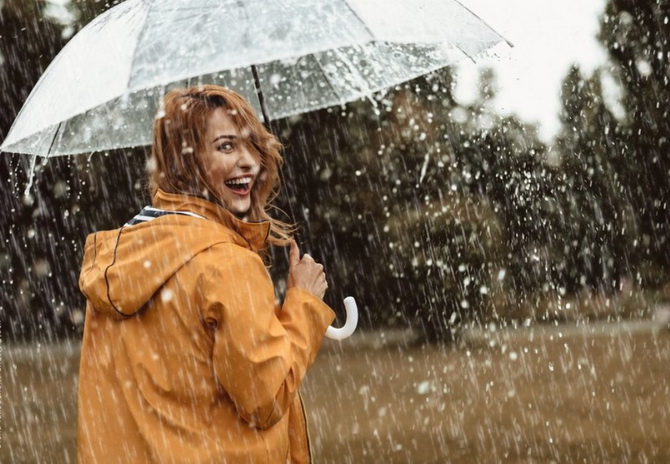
x,y
227,146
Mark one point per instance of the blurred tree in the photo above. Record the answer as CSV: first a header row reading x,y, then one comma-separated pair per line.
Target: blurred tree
x,y
443,234
44,230
29,42
597,237
636,36
417,205
418,201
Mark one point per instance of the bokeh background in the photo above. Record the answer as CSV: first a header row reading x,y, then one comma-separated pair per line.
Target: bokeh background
x,y
433,212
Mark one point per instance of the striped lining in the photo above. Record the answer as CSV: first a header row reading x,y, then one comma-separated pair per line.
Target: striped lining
x,y
148,213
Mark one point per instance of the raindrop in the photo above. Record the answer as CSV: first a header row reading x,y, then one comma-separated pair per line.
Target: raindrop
x,y
644,68
166,295
423,388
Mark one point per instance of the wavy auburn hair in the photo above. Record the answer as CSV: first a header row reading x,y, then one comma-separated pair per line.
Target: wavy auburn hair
x,y
177,164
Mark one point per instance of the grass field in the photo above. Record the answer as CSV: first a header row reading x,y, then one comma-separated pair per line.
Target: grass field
x,y
558,395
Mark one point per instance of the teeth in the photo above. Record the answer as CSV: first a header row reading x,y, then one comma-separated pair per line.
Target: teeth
x,y
245,181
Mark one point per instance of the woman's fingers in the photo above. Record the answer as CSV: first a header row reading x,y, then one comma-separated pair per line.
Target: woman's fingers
x,y
306,273
311,277
294,254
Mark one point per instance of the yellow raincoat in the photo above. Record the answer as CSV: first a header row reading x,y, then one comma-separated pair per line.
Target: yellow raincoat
x,y
185,356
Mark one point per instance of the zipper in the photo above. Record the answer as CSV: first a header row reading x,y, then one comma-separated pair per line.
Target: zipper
x,y
304,418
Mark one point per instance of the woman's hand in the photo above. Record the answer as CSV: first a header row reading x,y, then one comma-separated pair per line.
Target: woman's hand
x,y
306,273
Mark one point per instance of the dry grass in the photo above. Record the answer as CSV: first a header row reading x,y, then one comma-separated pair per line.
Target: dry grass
x,y
587,305
556,396
528,397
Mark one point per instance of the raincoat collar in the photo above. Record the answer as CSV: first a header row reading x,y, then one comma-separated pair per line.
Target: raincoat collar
x,y
255,234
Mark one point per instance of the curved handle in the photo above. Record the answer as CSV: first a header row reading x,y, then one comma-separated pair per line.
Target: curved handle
x,y
349,326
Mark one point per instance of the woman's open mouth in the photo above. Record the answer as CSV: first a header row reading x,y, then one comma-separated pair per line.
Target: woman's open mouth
x,y
240,185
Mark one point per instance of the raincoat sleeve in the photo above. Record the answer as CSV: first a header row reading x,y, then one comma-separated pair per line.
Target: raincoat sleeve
x,y
260,354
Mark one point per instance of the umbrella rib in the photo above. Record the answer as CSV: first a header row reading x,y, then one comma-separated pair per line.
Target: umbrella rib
x,y
466,54
372,36
139,41
323,71
483,22
54,139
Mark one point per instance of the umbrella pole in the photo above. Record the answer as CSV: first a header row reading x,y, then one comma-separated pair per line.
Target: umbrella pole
x,y
261,98
349,302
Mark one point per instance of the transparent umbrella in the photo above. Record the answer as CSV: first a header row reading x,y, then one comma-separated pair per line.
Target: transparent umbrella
x,y
285,56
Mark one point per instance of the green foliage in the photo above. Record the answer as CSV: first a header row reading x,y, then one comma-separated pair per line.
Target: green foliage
x,y
617,171
614,187
417,201
598,240
637,37
431,212
43,233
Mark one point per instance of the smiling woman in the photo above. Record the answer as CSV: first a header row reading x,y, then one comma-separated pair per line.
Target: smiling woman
x,y
185,357
206,142
234,161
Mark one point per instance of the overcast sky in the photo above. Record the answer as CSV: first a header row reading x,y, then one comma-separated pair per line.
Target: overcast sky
x,y
548,36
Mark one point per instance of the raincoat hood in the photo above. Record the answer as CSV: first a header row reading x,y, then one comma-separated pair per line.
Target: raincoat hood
x,y
124,268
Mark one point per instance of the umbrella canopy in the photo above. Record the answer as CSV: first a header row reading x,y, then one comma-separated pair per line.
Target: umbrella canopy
x,y
284,56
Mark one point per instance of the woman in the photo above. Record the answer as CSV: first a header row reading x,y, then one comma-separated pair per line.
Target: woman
x,y
185,356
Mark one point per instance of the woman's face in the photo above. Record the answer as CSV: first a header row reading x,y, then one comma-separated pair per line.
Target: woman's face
x,y
233,163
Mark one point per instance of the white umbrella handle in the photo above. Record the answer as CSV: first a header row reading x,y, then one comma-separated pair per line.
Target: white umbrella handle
x,y
349,326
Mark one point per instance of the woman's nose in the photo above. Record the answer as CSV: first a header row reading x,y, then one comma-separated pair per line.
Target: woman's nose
x,y
246,158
